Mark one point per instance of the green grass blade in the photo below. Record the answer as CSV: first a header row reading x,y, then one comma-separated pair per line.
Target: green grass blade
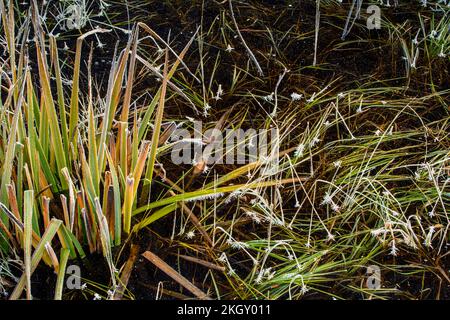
x,y
62,270
37,256
27,237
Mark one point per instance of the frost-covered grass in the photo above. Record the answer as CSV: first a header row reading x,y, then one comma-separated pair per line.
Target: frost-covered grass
x,y
363,174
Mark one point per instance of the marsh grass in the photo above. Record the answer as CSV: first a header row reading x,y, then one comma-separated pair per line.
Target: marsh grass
x,y
363,172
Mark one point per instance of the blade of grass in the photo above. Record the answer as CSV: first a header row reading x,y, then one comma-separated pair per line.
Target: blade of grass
x,y
160,264
128,203
158,121
115,88
60,93
117,204
105,240
62,271
74,100
205,194
27,237
37,256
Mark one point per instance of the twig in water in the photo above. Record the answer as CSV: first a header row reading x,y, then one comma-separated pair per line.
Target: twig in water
x,y
153,258
357,14
204,263
316,34
126,272
274,112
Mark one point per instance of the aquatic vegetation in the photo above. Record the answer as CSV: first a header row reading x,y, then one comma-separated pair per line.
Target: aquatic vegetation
x,y
356,179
